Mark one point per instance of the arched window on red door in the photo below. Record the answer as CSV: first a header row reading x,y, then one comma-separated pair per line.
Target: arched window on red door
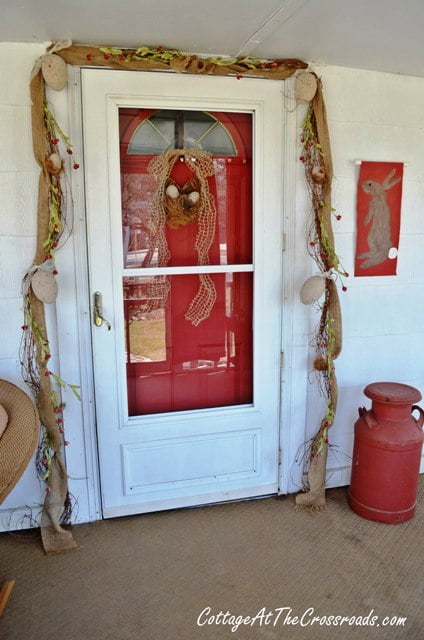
x,y
173,365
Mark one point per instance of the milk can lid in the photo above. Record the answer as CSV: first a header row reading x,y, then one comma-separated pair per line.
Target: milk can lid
x,y
392,392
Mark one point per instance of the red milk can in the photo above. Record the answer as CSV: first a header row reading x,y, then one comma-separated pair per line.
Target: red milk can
x,y
387,454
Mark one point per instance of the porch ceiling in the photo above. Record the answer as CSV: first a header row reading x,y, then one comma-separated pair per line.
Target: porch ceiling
x,y
383,35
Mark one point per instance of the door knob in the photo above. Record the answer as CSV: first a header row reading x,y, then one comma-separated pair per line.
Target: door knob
x,y
98,317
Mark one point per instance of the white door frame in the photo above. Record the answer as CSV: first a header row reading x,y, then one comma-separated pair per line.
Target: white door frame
x,y
73,317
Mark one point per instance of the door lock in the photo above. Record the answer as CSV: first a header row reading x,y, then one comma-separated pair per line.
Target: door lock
x,y
98,317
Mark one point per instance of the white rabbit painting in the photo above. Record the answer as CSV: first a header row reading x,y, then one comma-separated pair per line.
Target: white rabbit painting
x,y
377,221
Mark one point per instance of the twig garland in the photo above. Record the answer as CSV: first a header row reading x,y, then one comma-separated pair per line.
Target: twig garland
x,y
146,58
168,56
35,346
316,158
47,134
35,352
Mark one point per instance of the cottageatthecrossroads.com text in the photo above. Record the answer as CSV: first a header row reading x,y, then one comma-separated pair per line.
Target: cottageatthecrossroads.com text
x,y
284,616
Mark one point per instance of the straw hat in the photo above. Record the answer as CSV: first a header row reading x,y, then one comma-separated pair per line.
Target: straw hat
x,y
20,437
4,419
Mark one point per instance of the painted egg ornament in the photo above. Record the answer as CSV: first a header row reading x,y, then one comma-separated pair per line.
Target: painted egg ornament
x,y
312,289
54,71
305,86
44,286
318,174
172,191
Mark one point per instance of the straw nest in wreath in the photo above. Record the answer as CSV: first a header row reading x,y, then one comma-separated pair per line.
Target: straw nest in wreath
x,y
182,204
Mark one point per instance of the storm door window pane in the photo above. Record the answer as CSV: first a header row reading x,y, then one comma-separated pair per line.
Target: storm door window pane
x,y
174,366
232,243
175,360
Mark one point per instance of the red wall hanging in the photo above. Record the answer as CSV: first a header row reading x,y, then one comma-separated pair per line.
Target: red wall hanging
x,y
378,218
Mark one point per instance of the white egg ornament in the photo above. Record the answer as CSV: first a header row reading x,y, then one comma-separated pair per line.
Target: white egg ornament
x,y
44,286
172,191
54,71
305,86
312,289
193,198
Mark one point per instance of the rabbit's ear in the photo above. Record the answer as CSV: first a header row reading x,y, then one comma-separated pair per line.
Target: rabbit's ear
x,y
388,183
392,183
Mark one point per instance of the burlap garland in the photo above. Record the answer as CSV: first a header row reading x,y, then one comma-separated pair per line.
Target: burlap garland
x,y
82,56
314,498
55,538
331,320
320,117
336,318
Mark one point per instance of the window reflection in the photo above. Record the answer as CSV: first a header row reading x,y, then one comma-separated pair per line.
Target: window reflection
x,y
145,329
231,189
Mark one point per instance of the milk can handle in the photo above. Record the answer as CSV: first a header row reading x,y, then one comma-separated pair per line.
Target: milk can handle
x,y
368,417
420,420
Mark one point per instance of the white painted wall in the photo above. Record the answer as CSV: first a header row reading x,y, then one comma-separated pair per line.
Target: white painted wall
x,y
18,202
372,116
18,226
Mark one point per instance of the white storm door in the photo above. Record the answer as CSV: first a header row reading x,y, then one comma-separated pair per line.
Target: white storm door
x,y
186,414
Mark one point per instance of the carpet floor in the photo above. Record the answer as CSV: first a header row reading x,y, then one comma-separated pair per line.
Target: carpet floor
x,y
199,574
